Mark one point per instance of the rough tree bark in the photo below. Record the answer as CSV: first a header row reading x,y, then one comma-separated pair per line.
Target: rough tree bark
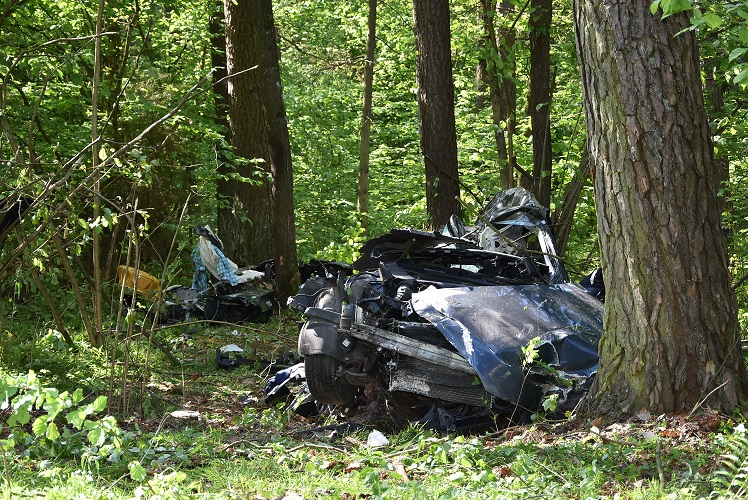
x,y
539,99
436,109
671,336
245,224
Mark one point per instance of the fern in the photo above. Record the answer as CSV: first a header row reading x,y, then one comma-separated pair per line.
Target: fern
x,y
731,478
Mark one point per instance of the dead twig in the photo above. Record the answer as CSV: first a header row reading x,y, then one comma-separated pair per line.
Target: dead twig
x,y
696,406
608,440
197,321
658,461
289,450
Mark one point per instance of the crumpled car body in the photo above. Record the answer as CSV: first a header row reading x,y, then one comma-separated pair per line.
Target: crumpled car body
x,y
473,320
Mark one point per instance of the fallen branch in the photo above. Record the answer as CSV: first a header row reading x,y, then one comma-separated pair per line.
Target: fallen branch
x,y
289,450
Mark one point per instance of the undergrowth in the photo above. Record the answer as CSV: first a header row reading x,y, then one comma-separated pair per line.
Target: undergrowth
x,y
62,438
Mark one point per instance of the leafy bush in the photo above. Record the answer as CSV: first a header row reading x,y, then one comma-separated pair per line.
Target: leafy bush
x,y
43,423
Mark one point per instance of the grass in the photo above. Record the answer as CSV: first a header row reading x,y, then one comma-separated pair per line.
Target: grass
x,y
234,450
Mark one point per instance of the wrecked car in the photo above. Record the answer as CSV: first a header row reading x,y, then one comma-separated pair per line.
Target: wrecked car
x,y
220,291
457,328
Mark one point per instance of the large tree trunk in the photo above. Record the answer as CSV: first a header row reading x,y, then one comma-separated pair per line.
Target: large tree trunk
x,y
540,98
436,109
245,223
279,154
671,336
362,193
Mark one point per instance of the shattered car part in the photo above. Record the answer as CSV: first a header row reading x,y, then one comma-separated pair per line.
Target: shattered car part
x,y
594,284
482,317
276,390
487,324
251,305
229,356
181,303
277,386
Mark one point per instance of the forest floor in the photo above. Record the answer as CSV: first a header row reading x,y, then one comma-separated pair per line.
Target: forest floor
x,y
200,431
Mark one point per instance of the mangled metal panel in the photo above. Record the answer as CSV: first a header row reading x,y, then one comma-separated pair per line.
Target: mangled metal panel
x,y
489,325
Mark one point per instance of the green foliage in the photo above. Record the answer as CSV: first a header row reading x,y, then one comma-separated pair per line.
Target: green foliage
x,y
725,21
54,433
245,451
323,64
62,424
671,7
731,479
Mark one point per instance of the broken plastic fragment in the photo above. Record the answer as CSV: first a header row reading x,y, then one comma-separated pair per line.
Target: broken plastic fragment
x,y
376,439
231,348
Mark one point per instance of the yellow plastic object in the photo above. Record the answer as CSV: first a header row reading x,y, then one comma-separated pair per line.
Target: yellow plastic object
x,y
147,285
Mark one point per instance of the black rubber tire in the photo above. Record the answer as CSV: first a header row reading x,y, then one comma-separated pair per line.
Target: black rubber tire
x,y
325,387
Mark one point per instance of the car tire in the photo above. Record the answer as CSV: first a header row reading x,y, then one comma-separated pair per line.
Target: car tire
x,y
326,388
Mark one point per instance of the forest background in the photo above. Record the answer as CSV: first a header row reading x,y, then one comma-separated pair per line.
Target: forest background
x,y
156,54
159,164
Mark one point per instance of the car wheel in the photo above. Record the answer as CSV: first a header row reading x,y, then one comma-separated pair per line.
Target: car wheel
x,y
323,384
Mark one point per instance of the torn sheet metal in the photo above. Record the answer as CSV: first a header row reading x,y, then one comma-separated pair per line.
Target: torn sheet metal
x,y
489,325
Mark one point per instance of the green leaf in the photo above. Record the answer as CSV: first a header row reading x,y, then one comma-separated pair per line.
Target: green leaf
x,y
712,19
137,472
736,53
654,7
99,404
21,416
76,418
39,426
741,77
53,409
6,392
671,7
743,35
96,436
78,396
52,431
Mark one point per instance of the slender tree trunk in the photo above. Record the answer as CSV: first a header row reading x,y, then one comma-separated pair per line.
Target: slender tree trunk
x,y
363,165
96,336
225,188
540,97
715,89
671,337
246,222
481,69
502,89
563,217
217,29
279,153
436,109
119,70
59,323
79,299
